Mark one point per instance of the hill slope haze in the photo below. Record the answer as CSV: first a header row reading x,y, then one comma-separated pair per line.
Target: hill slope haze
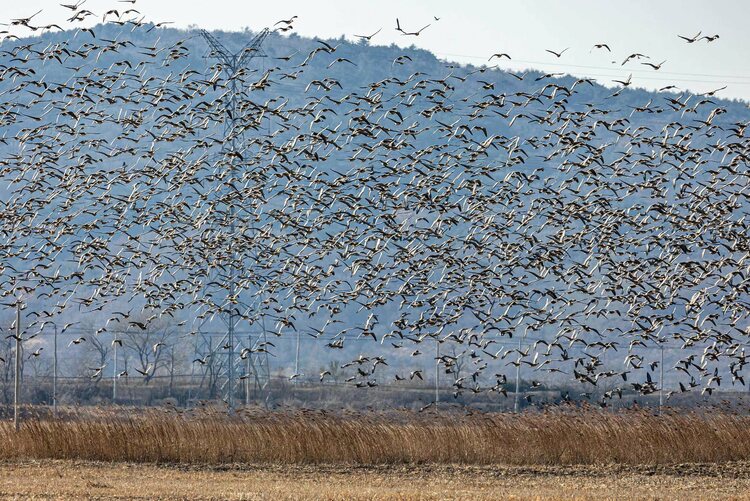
x,y
374,192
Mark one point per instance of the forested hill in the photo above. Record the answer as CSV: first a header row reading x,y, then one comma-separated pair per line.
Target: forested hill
x,y
291,70
378,188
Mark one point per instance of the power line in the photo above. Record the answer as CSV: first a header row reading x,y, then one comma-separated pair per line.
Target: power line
x,y
597,67
638,77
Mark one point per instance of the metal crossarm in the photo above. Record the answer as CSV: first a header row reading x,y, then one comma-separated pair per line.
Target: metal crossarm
x,y
253,49
234,62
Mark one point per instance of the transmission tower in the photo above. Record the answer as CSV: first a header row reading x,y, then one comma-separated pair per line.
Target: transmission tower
x,y
231,64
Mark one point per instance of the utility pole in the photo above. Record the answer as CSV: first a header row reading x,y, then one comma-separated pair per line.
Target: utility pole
x,y
231,64
661,376
296,360
437,372
171,370
114,370
54,374
17,380
247,369
516,402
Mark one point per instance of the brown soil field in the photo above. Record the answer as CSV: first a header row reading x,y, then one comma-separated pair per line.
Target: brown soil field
x,y
67,479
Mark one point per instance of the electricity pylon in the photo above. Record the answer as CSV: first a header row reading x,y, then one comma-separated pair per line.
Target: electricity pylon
x,y
231,64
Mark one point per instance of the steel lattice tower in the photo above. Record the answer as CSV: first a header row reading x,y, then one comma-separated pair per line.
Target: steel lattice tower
x,y
231,64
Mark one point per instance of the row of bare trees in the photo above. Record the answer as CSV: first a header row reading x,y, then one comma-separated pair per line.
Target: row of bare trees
x,y
142,350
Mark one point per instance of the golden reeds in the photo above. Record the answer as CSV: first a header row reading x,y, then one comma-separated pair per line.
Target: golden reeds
x,y
562,436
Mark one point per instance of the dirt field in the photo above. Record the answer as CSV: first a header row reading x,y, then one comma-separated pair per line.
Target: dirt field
x,y
89,480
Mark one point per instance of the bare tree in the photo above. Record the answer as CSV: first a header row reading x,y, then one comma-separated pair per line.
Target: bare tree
x,y
149,344
459,362
99,349
6,358
40,367
334,371
6,368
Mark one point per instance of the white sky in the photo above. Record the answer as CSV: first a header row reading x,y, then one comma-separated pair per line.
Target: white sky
x,y
469,31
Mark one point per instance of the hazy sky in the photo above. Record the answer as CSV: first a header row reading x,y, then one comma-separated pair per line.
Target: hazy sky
x,y
469,31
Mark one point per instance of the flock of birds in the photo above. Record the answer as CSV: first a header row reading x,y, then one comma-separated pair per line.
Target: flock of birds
x,y
417,207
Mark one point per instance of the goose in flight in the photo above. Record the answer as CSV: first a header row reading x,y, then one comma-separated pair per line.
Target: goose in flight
x,y
368,37
692,39
499,56
557,54
414,33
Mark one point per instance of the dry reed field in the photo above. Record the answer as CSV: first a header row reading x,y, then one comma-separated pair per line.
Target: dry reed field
x,y
561,453
558,436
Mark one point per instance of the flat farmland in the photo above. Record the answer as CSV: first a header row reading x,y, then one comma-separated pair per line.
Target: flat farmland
x,y
130,453
68,479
